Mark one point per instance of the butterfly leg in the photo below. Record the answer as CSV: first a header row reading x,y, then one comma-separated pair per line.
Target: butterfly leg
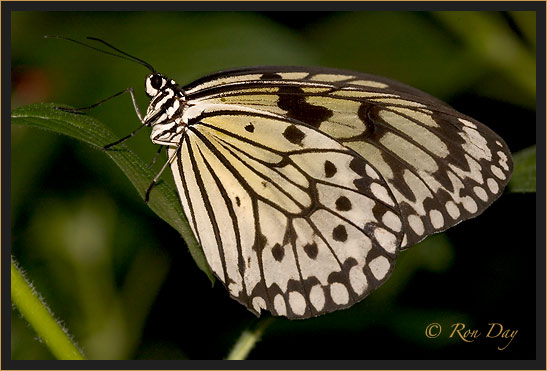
x,y
155,157
155,180
128,90
135,106
124,138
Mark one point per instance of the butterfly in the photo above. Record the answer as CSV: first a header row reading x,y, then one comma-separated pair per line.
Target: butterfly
x,y
303,184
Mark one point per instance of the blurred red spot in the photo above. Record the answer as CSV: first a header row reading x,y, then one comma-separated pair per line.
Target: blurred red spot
x,y
29,86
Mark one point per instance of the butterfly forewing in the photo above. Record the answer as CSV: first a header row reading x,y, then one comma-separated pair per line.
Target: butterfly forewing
x,y
441,166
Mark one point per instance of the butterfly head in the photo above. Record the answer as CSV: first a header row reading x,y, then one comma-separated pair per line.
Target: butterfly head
x,y
154,83
157,83
165,109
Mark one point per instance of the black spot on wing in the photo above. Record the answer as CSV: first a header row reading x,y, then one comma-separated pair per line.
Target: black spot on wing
x,y
294,135
361,184
343,204
311,250
250,128
358,166
270,76
278,252
293,100
339,233
368,113
330,169
260,242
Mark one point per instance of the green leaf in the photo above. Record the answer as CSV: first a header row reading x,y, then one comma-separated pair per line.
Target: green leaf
x,y
163,198
524,175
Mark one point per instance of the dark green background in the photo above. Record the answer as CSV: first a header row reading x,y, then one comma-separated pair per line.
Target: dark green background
x,y
123,282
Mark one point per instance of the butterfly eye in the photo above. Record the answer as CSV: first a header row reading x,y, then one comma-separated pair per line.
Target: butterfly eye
x,y
156,81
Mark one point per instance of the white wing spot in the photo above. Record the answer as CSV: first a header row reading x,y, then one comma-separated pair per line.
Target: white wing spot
x,y
402,102
386,239
503,161
351,91
380,193
416,224
423,117
452,209
317,297
499,143
297,303
330,77
370,172
481,193
358,280
339,293
492,185
468,123
234,288
415,156
279,305
469,204
497,172
258,303
475,144
392,221
372,84
379,267
421,135
293,75
437,219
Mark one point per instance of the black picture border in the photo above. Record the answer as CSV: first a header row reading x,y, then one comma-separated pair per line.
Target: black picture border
x,y
11,6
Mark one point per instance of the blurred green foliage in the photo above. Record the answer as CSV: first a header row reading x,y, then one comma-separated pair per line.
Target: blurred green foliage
x,y
122,280
164,202
524,176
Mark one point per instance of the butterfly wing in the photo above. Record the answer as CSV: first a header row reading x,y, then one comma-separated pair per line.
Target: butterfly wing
x,y
289,219
441,166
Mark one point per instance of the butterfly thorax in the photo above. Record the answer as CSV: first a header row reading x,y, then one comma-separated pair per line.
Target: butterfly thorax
x,y
166,110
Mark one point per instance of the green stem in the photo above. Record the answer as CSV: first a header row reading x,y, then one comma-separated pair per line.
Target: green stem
x,y
36,312
248,340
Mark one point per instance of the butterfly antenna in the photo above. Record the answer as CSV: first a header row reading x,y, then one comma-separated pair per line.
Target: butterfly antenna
x,y
124,55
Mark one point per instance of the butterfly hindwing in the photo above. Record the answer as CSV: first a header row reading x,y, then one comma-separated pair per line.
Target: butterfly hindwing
x,y
289,220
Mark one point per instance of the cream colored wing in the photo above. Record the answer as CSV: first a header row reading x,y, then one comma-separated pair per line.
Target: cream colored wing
x,y
441,166
290,220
